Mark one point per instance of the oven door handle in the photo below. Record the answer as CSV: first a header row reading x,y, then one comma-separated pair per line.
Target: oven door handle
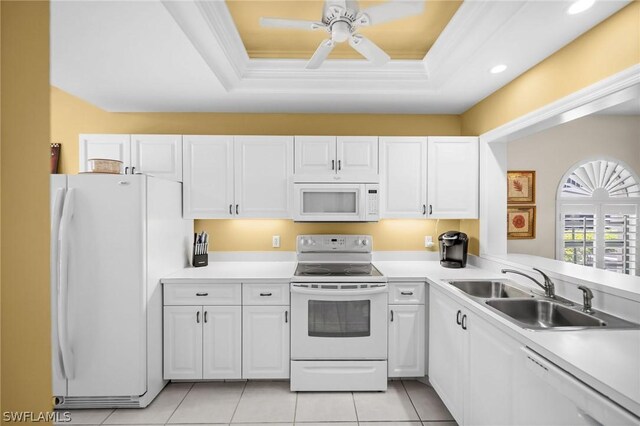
x,y
338,292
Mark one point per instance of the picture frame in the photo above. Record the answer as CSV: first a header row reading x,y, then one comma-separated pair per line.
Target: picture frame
x,y
521,187
521,222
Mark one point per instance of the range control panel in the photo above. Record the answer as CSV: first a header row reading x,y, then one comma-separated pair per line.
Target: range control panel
x,y
334,243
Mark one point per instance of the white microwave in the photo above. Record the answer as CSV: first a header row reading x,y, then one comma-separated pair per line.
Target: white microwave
x,y
336,202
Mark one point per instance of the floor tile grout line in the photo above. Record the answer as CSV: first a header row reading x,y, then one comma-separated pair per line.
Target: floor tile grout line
x,y
411,401
113,410
181,401
355,407
295,410
235,410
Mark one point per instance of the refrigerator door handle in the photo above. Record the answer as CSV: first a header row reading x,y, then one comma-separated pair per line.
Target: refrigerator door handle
x,y
55,272
65,221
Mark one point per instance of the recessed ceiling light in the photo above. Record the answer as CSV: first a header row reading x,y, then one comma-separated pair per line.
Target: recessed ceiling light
x,y
498,69
580,6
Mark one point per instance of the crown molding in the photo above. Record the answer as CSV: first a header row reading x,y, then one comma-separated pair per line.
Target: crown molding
x,y
618,88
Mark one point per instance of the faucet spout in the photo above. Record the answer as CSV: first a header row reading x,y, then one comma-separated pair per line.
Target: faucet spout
x,y
548,286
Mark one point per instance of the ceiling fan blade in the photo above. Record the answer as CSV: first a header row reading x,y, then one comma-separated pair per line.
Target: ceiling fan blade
x,y
290,23
390,11
369,50
322,52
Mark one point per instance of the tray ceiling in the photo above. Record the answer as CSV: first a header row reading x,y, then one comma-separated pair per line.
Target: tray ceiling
x,y
190,56
409,38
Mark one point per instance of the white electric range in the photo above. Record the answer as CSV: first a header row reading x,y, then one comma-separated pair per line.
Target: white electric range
x,y
338,316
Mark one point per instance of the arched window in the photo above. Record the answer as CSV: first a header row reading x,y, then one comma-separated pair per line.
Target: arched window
x,y
598,203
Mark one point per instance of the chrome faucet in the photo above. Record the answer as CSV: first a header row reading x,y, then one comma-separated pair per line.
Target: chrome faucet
x,y
587,295
548,286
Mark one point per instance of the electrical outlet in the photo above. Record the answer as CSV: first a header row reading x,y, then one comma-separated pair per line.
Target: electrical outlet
x,y
428,241
275,241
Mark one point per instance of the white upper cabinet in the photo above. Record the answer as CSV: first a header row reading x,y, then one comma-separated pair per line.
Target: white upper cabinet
x,y
208,177
157,155
263,170
154,155
110,147
453,179
357,157
403,175
315,156
336,159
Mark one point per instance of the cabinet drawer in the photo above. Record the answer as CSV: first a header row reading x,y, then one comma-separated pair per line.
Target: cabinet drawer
x,y
202,294
265,294
406,293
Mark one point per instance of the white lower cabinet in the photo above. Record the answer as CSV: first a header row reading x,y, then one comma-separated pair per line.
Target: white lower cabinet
x,y
265,338
406,341
202,342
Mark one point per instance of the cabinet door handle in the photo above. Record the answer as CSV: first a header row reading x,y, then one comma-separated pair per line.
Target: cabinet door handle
x,y
133,169
198,317
430,209
392,315
126,169
286,316
458,321
205,316
265,294
237,208
202,294
406,293
464,322
333,164
339,164
230,208
424,209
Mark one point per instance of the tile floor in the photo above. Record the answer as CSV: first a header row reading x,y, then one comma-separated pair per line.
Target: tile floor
x,y
405,403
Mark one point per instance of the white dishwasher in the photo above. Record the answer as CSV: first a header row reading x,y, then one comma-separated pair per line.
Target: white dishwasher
x,y
550,395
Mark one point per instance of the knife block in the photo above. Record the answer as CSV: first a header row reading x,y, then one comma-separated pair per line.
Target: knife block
x,y
200,260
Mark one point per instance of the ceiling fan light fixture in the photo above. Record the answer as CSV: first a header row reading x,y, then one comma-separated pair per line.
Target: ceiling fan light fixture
x,y
580,6
498,69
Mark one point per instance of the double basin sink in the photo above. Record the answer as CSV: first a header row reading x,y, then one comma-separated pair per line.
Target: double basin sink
x,y
534,312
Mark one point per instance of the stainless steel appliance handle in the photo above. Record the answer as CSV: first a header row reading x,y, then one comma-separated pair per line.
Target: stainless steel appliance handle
x,y
338,292
55,272
63,295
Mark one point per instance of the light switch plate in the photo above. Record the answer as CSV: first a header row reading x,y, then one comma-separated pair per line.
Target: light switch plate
x,y
275,241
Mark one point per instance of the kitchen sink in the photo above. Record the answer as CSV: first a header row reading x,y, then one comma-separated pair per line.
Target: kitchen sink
x,y
540,314
489,289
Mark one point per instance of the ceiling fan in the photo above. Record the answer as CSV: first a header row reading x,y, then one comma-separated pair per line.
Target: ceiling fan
x,y
342,18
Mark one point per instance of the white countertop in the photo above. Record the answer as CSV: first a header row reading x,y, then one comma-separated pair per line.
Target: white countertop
x,y
234,272
606,360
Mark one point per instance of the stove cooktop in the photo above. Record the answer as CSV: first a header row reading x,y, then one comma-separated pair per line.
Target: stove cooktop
x,y
336,270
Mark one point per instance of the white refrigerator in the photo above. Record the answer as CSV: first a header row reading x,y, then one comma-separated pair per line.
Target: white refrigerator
x,y
112,238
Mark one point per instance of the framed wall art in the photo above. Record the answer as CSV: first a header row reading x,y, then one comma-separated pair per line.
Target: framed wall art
x,y
521,222
521,187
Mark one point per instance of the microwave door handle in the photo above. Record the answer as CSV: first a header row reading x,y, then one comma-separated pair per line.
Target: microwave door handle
x,y
338,292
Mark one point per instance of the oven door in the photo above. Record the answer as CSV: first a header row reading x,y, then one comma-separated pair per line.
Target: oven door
x,y
339,202
329,323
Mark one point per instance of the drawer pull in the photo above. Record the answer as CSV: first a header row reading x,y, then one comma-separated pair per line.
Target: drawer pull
x,y
202,294
406,293
265,294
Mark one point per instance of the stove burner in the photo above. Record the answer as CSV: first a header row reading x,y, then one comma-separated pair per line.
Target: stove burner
x,y
315,270
337,269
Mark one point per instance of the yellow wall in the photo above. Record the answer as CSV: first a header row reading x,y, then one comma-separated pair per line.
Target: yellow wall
x,y
606,49
71,116
26,373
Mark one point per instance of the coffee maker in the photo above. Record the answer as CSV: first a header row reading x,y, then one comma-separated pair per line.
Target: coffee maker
x,y
453,249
